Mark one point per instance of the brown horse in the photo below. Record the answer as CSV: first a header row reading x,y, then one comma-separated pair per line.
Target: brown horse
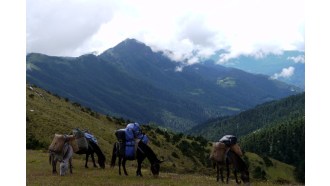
x,y
224,156
64,157
239,166
218,158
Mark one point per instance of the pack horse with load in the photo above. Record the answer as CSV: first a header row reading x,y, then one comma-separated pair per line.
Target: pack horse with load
x,y
227,152
133,144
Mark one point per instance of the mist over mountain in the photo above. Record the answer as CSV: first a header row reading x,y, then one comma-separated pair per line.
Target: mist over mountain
x,y
131,81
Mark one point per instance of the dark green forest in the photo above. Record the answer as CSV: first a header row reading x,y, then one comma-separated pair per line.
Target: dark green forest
x,y
270,113
275,129
284,141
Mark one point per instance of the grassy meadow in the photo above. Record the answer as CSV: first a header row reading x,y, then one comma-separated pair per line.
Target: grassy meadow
x,y
39,172
186,156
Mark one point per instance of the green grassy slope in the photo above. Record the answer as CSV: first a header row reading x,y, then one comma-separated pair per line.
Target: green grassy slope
x,y
186,156
48,114
39,172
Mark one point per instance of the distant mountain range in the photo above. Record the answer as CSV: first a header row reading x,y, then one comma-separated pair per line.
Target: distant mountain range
x,y
288,67
132,81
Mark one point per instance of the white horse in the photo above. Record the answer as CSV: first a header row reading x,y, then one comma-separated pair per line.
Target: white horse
x,y
64,157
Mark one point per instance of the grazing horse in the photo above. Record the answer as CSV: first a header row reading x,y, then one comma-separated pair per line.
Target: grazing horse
x,y
93,148
64,157
218,158
143,151
239,166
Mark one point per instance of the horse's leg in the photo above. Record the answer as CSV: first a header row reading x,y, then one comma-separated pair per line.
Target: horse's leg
x,y
138,170
235,174
228,172
92,155
217,165
124,166
221,173
119,164
86,160
70,164
54,161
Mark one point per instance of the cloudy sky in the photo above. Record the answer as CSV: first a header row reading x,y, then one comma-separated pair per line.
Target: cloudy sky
x,y
250,27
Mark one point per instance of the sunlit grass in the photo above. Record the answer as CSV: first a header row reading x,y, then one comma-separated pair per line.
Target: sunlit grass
x,y
39,172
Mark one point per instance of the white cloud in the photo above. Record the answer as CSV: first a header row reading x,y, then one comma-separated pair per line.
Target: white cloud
x,y
285,73
63,27
297,59
178,68
186,28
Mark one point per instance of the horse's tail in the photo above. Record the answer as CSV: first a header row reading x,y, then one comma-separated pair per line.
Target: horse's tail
x,y
50,159
51,156
114,154
97,150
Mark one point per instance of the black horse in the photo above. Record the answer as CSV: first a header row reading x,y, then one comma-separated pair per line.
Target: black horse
x,y
94,148
239,166
143,151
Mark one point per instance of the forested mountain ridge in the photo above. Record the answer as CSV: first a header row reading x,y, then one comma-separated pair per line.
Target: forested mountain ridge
x,y
132,81
284,141
275,129
253,119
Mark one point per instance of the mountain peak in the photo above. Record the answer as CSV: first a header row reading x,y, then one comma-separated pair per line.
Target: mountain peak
x,y
132,41
129,45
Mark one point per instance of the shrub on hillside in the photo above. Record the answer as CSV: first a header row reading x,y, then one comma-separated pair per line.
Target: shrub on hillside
x,y
176,138
267,161
175,155
259,173
33,143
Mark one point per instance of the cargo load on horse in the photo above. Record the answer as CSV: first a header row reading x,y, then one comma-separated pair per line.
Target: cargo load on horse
x,y
90,137
218,152
80,140
137,132
128,139
59,141
231,142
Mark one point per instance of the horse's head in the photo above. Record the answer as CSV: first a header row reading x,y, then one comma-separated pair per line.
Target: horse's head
x,y
101,161
245,177
63,168
155,167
